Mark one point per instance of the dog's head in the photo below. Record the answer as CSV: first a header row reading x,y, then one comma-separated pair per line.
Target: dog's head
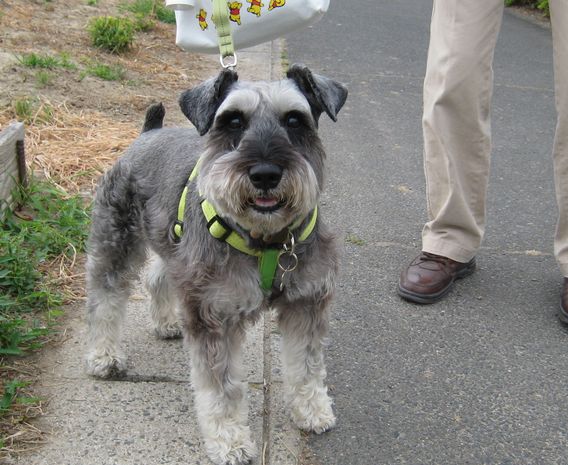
x,y
263,165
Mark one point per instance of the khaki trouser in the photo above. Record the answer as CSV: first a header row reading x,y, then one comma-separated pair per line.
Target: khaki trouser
x,y
457,128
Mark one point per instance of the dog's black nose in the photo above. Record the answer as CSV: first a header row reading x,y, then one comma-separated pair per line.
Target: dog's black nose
x,y
265,175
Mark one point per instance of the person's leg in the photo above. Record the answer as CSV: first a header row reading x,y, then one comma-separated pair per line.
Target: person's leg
x,y
456,124
457,143
559,19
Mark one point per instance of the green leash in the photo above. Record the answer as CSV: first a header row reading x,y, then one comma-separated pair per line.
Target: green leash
x,y
223,25
268,259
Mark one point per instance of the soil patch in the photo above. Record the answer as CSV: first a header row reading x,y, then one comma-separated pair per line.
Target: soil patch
x,y
93,118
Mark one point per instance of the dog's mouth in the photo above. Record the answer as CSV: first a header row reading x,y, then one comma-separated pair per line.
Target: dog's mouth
x,y
266,204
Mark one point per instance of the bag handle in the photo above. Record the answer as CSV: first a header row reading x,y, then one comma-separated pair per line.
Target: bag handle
x,y
228,57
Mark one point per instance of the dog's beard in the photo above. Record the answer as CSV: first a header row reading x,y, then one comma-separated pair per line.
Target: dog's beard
x,y
226,184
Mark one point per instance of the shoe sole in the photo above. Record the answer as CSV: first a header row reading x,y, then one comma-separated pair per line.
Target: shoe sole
x,y
433,298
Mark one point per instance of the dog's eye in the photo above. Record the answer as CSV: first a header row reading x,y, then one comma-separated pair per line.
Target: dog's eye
x,y
235,122
293,120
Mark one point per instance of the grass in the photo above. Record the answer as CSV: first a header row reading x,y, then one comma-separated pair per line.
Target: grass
x,y
50,229
106,72
34,60
31,110
539,4
44,78
150,8
55,224
23,108
12,395
112,34
355,240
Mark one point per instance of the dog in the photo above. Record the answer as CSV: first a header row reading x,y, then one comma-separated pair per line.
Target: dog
x,y
229,211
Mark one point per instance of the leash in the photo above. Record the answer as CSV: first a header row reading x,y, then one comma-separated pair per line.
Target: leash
x,y
221,19
269,259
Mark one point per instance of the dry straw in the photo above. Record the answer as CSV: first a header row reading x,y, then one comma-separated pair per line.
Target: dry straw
x,y
72,148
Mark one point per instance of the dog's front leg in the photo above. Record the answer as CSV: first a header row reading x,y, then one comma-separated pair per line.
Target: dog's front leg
x,y
219,391
304,327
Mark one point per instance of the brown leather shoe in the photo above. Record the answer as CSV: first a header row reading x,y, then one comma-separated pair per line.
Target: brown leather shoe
x,y
563,315
429,277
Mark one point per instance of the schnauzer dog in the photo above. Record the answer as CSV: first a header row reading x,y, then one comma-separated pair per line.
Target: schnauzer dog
x,y
241,234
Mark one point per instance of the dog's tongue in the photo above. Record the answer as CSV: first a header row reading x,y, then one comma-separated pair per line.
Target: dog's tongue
x,y
264,202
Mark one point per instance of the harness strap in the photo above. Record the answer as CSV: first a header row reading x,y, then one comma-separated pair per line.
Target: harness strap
x,y
178,225
218,228
267,265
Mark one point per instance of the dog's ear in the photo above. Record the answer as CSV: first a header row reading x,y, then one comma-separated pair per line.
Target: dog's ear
x,y
323,94
200,103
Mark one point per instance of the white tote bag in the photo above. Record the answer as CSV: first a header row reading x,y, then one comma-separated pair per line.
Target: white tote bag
x,y
252,21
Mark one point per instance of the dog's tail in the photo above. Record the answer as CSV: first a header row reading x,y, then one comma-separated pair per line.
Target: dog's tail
x,y
154,117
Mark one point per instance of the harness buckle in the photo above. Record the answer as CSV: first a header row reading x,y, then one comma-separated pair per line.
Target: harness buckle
x,y
176,231
215,232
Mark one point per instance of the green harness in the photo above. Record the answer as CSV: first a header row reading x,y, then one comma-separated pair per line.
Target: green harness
x,y
268,259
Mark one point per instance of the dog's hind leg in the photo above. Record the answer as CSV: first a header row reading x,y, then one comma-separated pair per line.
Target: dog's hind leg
x,y
304,329
164,303
219,392
115,254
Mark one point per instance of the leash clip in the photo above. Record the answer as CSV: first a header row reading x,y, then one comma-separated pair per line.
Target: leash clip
x,y
289,250
228,61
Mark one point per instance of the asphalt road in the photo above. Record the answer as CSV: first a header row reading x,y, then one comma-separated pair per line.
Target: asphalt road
x,y
481,377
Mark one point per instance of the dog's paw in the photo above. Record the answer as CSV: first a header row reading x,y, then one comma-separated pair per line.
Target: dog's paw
x,y
237,453
105,365
168,331
314,414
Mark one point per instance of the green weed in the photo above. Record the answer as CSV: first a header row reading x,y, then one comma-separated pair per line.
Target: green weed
x,y
144,24
30,110
44,78
150,8
13,394
33,60
540,4
65,61
10,394
23,108
544,6
165,15
112,34
353,239
29,301
45,114
106,72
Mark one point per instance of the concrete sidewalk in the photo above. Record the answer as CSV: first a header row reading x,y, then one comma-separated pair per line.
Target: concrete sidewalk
x,y
148,417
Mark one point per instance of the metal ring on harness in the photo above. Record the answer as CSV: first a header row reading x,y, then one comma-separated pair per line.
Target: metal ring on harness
x,y
231,64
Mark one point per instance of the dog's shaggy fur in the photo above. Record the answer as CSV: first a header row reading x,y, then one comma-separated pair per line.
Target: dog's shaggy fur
x,y
262,168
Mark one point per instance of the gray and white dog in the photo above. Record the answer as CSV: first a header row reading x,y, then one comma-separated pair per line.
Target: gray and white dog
x,y
260,173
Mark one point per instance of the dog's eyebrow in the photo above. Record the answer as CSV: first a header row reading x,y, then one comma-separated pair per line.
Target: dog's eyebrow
x,y
285,98
244,100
